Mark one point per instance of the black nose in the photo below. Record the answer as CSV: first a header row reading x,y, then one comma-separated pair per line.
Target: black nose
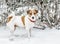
x,y
32,17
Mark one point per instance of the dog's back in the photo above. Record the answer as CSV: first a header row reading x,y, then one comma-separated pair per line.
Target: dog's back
x,y
17,20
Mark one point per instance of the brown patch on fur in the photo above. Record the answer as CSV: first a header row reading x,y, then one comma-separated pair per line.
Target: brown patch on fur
x,y
23,20
9,19
35,12
30,12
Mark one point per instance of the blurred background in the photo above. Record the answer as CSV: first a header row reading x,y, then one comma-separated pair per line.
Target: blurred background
x,y
48,10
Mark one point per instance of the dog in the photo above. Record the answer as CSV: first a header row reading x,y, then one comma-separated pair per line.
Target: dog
x,y
26,21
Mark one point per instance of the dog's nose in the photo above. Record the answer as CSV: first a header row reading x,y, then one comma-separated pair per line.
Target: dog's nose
x,y
32,17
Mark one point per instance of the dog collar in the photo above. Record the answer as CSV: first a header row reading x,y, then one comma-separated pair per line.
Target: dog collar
x,y
31,20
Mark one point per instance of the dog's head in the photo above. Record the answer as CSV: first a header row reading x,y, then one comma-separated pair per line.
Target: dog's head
x,y
32,14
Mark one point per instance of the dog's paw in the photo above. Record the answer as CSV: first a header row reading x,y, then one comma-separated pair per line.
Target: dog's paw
x,y
16,35
11,39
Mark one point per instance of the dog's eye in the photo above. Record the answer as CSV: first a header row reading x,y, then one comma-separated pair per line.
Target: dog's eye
x,y
34,13
30,13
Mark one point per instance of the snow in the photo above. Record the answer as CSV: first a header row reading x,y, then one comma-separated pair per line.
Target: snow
x,y
47,36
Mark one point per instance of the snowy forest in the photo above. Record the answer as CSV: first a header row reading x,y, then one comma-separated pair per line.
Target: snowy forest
x,y
49,8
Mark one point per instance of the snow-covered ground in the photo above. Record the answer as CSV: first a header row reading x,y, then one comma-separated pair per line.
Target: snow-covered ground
x,y
47,36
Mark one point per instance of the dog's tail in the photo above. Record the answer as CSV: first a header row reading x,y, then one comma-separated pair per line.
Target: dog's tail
x,y
10,16
12,13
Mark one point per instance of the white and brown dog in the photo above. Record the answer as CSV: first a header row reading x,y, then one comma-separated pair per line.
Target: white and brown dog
x,y
26,21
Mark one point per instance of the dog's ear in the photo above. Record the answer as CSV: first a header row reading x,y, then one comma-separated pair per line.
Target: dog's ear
x,y
36,11
28,11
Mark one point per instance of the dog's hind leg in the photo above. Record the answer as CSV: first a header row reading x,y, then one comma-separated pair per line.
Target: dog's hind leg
x,y
12,33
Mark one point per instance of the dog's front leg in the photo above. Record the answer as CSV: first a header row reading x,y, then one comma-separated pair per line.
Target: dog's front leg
x,y
28,32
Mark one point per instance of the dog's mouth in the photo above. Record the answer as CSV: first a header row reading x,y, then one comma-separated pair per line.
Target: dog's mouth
x,y
31,20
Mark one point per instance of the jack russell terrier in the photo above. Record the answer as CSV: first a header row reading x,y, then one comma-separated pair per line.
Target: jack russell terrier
x,y
26,21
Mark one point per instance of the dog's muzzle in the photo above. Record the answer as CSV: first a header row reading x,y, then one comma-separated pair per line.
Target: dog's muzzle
x,y
31,20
